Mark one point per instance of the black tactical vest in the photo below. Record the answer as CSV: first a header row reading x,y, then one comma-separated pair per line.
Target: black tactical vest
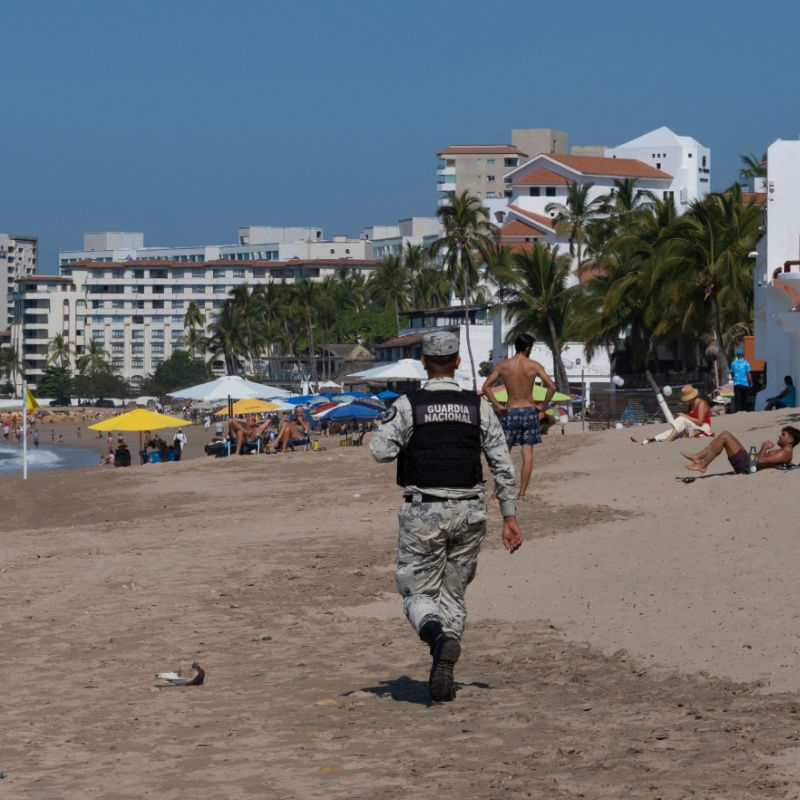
x,y
445,446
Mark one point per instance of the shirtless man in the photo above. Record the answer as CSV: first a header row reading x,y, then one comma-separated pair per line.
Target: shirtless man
x,y
520,415
291,430
247,431
770,454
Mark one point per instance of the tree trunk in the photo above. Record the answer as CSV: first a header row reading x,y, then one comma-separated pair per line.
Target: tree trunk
x,y
466,322
397,315
558,363
722,359
312,355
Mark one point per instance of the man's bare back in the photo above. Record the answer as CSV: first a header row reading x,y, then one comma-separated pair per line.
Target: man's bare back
x,y
518,373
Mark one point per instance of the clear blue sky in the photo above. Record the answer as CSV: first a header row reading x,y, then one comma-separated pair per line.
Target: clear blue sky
x,y
185,120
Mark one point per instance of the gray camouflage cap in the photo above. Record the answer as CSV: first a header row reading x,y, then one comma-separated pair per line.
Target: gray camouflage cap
x,y
439,343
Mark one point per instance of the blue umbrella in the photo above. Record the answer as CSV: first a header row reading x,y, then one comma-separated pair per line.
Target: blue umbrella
x,y
302,399
387,394
350,411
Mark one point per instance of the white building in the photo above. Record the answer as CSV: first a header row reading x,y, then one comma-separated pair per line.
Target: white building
x,y
390,240
254,243
683,157
777,273
135,309
19,257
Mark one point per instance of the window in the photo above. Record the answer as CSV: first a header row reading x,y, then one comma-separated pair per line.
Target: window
x,y
549,191
117,334
178,289
219,290
704,161
478,178
489,162
117,304
198,289
690,155
117,363
157,347
347,251
139,334
658,165
117,347
239,273
178,304
138,303
137,347
158,334
534,191
158,319
158,304
177,334
118,319
218,273
198,273
490,178
177,319
510,162
137,363
137,319
490,194
669,195
478,162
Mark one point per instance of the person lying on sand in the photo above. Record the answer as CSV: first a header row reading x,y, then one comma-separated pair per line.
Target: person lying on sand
x,y
770,454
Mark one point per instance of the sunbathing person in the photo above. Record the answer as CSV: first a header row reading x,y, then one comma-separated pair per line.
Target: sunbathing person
x,y
247,431
769,455
292,432
695,421
786,399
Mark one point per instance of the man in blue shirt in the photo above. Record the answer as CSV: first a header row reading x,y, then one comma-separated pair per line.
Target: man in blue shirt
x,y
742,381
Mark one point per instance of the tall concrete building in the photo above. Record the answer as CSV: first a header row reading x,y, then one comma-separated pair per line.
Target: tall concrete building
x,y
475,168
19,258
540,140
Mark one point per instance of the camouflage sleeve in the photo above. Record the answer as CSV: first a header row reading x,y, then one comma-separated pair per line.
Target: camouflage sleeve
x,y
496,451
394,433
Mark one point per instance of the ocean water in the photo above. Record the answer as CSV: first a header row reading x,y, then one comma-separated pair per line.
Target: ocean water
x,y
45,457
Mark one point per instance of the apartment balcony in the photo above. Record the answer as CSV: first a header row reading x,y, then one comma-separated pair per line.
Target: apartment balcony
x,y
444,171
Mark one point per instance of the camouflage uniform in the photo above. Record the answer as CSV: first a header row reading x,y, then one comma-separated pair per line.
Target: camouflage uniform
x,y
439,541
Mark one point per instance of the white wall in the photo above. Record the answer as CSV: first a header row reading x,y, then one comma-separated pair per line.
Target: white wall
x,y
777,327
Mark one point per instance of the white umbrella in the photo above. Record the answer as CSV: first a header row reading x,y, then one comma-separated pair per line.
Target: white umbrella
x,y
229,386
406,369
329,385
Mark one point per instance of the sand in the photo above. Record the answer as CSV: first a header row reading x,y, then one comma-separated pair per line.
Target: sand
x,y
643,643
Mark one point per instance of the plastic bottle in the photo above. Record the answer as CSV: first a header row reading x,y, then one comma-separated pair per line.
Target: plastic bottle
x,y
752,464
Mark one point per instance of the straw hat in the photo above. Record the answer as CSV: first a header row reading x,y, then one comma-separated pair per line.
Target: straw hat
x,y
688,393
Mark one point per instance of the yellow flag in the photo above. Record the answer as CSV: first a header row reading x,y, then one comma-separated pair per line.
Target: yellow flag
x,y
30,401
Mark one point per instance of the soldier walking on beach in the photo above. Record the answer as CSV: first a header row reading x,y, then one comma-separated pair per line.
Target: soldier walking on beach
x,y
437,434
520,414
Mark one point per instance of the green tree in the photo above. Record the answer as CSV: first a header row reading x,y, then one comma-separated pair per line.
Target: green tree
x,y
753,166
431,288
307,295
59,351
538,300
415,259
574,214
467,231
194,317
225,336
706,261
177,372
11,364
389,285
55,382
93,359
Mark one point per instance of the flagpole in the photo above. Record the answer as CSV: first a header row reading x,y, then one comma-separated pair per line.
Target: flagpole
x,y
24,429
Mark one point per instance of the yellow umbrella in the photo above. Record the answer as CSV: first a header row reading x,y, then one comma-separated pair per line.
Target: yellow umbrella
x,y
249,405
140,419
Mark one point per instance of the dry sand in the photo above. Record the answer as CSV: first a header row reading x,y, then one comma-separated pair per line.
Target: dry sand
x,y
643,643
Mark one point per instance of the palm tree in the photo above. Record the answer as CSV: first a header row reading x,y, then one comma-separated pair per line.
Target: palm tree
x,y
498,264
706,258
753,166
431,288
389,285
194,317
415,259
307,296
94,359
225,336
10,363
574,214
59,351
467,230
537,299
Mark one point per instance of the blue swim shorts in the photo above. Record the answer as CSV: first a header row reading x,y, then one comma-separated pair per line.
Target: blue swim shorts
x,y
521,426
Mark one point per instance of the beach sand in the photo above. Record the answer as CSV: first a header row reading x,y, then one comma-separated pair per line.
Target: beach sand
x,y
643,643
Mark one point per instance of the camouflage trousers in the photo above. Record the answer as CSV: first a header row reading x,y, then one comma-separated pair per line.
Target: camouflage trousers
x,y
437,555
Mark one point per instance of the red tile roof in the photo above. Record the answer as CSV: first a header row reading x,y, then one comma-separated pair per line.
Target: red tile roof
x,y
541,219
756,197
542,177
616,167
518,228
44,279
480,149
221,262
